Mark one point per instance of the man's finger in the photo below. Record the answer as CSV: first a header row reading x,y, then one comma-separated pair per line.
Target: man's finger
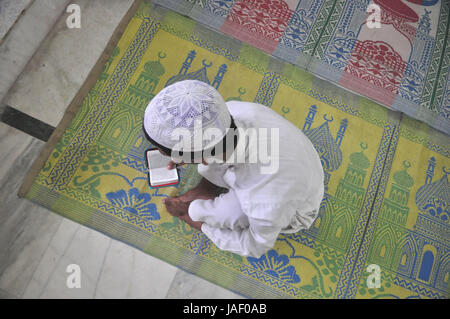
x,y
171,165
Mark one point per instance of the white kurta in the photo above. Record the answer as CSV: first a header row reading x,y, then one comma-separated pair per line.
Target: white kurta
x,y
258,207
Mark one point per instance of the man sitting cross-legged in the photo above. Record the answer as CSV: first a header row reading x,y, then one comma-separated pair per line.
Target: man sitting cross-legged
x,y
280,193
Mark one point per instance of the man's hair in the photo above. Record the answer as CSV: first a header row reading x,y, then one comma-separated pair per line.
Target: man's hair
x,y
199,154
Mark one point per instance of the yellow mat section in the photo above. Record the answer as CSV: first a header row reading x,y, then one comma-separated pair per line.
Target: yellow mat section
x,y
376,209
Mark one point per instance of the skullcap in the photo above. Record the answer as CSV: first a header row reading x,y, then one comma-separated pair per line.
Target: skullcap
x,y
191,105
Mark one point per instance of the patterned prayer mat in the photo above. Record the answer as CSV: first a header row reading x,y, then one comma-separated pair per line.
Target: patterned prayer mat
x,y
401,61
387,191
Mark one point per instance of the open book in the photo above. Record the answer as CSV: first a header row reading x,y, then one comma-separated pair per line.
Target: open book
x,y
159,174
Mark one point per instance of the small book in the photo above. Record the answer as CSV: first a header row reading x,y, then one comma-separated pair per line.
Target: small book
x,y
159,174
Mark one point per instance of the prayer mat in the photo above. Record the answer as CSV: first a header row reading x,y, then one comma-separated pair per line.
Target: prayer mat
x,y
383,227
396,53
408,234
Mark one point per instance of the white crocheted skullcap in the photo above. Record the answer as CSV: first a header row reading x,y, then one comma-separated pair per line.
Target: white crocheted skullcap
x,y
181,105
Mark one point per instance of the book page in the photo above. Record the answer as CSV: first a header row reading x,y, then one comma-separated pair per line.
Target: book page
x,y
158,171
163,175
157,160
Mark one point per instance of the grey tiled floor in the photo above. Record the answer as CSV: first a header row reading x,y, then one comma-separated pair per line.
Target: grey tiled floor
x,y
24,36
36,245
10,10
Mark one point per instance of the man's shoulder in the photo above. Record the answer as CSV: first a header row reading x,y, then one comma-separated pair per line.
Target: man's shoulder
x,y
239,107
254,113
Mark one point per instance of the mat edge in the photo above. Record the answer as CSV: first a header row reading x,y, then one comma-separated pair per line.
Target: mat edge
x,y
77,101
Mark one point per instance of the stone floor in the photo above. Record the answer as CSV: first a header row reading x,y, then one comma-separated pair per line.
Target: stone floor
x,y
10,10
43,65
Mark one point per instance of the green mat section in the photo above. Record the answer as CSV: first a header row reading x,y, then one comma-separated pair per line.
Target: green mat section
x,y
387,191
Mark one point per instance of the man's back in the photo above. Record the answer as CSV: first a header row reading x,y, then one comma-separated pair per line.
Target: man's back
x,y
299,176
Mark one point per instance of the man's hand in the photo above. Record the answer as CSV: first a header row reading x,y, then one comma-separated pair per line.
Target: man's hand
x,y
179,208
172,164
176,207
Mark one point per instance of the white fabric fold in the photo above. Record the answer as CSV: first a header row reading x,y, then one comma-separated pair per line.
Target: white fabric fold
x,y
258,207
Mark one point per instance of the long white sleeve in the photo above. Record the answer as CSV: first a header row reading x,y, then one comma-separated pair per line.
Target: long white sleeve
x,y
224,211
229,228
253,241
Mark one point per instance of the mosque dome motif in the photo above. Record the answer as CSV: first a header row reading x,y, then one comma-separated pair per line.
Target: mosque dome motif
x,y
433,198
200,75
155,68
326,146
360,160
402,177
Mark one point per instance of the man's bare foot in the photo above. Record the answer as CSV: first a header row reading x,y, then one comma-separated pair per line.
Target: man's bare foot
x,y
204,190
176,207
194,194
179,205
